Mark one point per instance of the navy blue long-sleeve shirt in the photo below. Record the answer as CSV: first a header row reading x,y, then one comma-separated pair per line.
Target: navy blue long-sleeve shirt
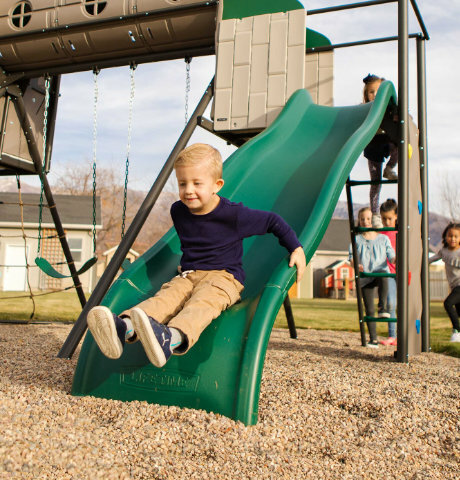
x,y
214,241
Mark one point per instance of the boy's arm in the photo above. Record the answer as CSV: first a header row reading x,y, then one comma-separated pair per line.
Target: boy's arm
x,y
258,222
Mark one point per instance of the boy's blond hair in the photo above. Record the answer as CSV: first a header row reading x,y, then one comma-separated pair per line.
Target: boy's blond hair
x,y
199,153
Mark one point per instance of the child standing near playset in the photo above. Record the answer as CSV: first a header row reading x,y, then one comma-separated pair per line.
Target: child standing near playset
x,y
373,252
389,215
450,255
211,230
378,149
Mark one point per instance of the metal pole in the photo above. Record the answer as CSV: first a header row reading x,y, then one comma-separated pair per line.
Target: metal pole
x,y
420,19
422,126
359,295
289,317
35,155
109,274
403,184
349,6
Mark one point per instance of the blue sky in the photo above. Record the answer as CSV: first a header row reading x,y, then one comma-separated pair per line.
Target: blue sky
x,y
158,116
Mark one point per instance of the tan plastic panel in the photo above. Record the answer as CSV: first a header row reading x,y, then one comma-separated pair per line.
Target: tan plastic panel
x,y
227,30
74,12
222,109
257,110
224,75
325,86
295,69
242,55
276,70
240,94
272,113
296,34
415,246
311,75
277,55
15,143
115,38
244,24
276,91
261,30
259,69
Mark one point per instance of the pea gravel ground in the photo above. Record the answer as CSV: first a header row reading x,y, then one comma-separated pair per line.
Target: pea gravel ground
x,y
329,409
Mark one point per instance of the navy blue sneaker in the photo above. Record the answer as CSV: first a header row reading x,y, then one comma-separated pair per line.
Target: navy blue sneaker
x,y
154,336
108,331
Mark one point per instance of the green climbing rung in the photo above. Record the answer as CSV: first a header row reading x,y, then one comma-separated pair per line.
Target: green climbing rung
x,y
379,319
47,268
354,183
376,274
372,229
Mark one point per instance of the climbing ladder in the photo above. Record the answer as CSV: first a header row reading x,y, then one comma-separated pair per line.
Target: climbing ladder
x,y
354,230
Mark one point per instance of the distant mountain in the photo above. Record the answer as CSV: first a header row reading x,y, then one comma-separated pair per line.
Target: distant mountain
x,y
9,185
436,222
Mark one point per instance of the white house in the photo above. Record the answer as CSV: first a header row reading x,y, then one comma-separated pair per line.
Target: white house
x,y
19,240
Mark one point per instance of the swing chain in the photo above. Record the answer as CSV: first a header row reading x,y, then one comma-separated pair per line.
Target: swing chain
x,y
188,61
128,146
45,129
96,99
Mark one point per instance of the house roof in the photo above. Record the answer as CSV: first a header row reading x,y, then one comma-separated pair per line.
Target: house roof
x,y
337,236
336,264
75,211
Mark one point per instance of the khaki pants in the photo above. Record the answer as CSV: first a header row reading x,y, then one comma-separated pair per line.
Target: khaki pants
x,y
189,302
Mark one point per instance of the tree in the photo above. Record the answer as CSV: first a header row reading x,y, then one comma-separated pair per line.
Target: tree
x,y
450,197
78,180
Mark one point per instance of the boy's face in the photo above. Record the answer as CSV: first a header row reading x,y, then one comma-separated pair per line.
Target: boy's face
x,y
365,219
389,218
198,188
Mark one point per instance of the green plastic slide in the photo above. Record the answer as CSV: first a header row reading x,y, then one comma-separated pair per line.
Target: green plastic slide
x,y
297,168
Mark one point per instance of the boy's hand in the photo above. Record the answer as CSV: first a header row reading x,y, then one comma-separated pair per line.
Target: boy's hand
x,y
298,259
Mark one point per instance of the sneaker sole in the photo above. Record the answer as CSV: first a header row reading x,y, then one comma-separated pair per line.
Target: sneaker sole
x,y
148,339
102,327
384,315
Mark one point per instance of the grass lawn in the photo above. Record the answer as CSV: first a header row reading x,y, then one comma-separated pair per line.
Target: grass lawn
x,y
55,307
326,314
318,313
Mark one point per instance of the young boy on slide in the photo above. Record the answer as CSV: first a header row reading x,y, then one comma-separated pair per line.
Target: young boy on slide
x,y
211,230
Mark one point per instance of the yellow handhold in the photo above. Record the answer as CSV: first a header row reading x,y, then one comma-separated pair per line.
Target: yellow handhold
x,y
410,151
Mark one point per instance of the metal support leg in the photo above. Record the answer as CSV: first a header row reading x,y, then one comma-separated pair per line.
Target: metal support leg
x,y
109,274
403,185
422,122
35,155
290,317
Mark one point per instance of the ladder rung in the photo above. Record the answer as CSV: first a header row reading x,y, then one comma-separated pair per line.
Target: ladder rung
x,y
378,319
354,183
377,274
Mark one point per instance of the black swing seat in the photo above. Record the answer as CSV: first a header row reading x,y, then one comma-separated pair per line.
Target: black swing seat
x,y
47,268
